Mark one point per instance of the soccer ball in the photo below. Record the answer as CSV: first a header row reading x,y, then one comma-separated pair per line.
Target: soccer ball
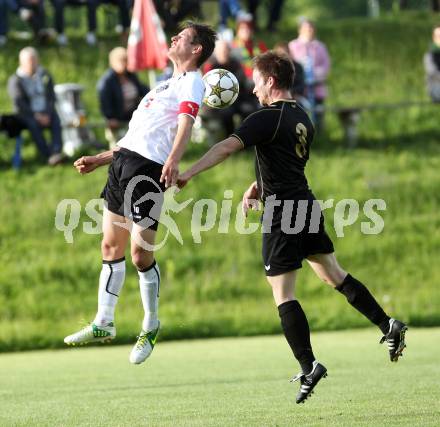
x,y
221,88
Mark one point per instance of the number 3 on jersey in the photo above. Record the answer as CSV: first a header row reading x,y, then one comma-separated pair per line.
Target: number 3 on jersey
x,y
301,146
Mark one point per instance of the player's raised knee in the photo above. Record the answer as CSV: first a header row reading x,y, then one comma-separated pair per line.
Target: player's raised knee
x,y
334,277
111,250
141,259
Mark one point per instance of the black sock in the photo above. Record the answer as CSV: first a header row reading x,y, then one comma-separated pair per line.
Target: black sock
x,y
297,333
362,300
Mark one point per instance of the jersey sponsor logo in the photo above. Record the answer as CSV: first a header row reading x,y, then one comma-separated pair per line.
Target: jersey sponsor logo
x,y
188,107
162,88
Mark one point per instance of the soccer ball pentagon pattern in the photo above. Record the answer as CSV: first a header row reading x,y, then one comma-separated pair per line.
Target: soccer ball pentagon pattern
x,y
221,88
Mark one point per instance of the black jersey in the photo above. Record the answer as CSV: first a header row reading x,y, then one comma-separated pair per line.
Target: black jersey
x,y
281,133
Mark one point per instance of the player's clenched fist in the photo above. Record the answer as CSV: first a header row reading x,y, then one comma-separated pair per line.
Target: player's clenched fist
x,y
86,164
250,199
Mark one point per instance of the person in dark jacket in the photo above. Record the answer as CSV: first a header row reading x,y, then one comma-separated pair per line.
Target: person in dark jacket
x,y
120,92
32,92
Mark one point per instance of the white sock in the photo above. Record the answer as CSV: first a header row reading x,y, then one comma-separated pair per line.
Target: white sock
x,y
111,281
149,283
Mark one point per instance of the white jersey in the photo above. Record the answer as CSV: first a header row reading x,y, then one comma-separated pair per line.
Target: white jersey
x,y
153,127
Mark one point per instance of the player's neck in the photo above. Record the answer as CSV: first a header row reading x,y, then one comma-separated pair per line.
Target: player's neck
x,y
184,67
280,95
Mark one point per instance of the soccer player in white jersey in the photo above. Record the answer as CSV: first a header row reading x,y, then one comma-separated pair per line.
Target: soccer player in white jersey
x,y
143,164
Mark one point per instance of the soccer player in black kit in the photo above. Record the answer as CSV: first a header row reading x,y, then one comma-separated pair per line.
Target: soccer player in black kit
x,y
281,133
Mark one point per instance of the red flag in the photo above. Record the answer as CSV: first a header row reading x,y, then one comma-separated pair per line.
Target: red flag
x,y
147,44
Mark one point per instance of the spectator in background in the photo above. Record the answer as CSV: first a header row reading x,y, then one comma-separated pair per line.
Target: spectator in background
x,y
124,14
5,5
431,61
230,8
313,56
31,11
273,12
244,48
92,6
120,92
298,88
172,12
246,101
275,7
32,93
59,6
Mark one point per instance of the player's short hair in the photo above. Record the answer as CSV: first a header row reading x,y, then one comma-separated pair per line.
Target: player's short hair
x,y
205,36
276,65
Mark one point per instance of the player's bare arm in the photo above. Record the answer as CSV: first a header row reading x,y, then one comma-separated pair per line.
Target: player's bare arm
x,y
250,199
87,164
217,154
170,170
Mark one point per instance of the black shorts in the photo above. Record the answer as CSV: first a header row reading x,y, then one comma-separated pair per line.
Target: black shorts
x,y
292,239
133,189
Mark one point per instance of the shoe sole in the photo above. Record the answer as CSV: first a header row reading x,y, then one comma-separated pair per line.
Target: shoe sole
x,y
142,360
105,340
324,375
401,346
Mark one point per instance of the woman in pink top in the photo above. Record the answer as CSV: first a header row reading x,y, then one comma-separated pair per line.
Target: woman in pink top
x,y
313,56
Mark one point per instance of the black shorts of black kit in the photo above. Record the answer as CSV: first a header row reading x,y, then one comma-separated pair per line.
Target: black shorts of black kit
x,y
284,252
128,166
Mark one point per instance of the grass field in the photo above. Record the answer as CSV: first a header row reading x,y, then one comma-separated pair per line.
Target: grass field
x,y
224,382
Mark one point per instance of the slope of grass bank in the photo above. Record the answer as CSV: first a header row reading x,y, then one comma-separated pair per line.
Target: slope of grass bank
x,y
217,287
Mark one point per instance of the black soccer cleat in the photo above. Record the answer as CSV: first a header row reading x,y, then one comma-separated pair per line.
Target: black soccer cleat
x,y
309,381
395,339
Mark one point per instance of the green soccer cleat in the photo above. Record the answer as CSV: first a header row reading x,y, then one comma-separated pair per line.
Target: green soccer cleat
x,y
144,346
92,333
